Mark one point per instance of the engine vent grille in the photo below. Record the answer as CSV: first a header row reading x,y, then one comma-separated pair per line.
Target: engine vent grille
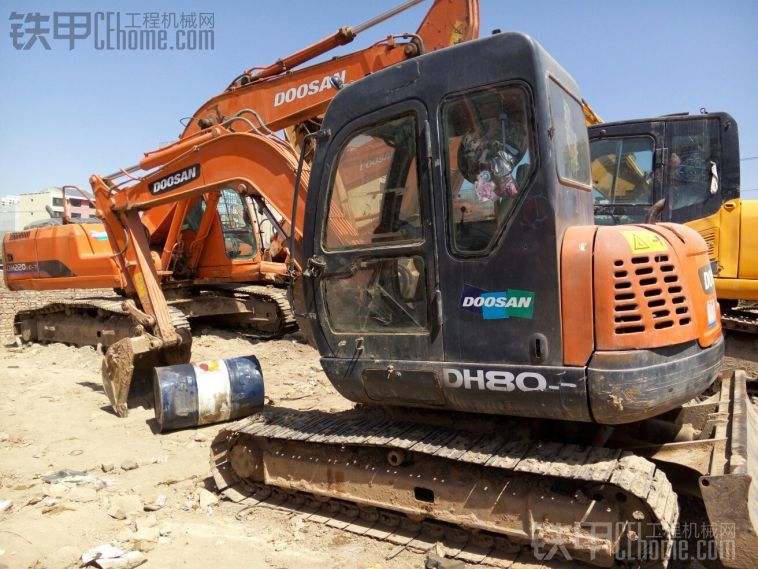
x,y
709,235
647,295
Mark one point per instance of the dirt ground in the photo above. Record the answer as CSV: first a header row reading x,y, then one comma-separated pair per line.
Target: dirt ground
x,y
54,416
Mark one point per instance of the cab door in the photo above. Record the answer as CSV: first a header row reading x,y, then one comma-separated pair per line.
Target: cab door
x,y
627,177
373,263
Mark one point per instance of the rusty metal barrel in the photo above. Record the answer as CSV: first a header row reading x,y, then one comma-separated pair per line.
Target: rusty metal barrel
x,y
202,393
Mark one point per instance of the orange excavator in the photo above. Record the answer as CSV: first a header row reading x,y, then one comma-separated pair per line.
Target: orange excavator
x,y
207,249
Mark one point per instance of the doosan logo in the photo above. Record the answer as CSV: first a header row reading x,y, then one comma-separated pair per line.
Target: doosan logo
x,y
175,180
305,89
509,303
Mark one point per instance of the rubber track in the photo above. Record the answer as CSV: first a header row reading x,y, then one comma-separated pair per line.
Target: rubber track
x,y
631,473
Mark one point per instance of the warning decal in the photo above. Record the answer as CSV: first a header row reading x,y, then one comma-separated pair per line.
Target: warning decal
x,y
643,241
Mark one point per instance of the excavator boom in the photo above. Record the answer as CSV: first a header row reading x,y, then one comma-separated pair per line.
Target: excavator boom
x,y
281,96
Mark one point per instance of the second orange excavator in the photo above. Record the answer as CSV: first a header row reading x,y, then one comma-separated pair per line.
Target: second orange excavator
x,y
208,249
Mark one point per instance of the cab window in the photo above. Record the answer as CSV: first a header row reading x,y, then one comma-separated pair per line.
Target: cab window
x,y
692,171
622,170
375,192
570,138
236,226
489,157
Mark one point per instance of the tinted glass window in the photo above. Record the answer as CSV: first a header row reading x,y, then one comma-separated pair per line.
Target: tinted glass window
x,y
691,178
375,193
622,170
570,139
488,163
380,295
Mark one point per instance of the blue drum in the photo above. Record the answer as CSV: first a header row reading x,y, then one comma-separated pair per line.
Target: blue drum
x,y
213,391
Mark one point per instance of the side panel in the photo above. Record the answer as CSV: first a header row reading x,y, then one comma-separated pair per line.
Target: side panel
x,y
748,239
60,257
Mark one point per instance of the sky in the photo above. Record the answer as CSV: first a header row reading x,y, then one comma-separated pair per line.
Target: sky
x,y
73,112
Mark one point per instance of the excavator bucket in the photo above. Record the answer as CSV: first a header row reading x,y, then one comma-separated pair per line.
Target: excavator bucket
x,y
729,489
135,357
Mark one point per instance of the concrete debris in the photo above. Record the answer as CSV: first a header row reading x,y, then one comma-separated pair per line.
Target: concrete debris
x,y
116,513
129,505
109,557
206,499
156,504
101,551
148,521
107,467
129,465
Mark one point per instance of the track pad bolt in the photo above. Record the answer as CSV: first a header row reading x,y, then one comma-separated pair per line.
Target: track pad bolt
x,y
396,457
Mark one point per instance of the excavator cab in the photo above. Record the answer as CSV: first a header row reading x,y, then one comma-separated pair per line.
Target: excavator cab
x,y
691,162
452,260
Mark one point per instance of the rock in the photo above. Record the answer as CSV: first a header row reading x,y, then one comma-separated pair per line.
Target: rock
x,y
156,504
104,551
5,505
143,545
129,465
148,521
165,529
56,490
36,498
199,438
107,467
4,437
116,513
434,561
147,534
129,504
206,498
124,561
83,494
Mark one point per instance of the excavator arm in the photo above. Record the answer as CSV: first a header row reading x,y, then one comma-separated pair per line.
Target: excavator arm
x,y
201,165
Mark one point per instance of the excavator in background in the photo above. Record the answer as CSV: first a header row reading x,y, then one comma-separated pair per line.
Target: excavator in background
x,y
208,249
686,169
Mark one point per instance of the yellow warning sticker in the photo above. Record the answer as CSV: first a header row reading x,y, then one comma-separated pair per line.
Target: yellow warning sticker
x,y
643,241
139,284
